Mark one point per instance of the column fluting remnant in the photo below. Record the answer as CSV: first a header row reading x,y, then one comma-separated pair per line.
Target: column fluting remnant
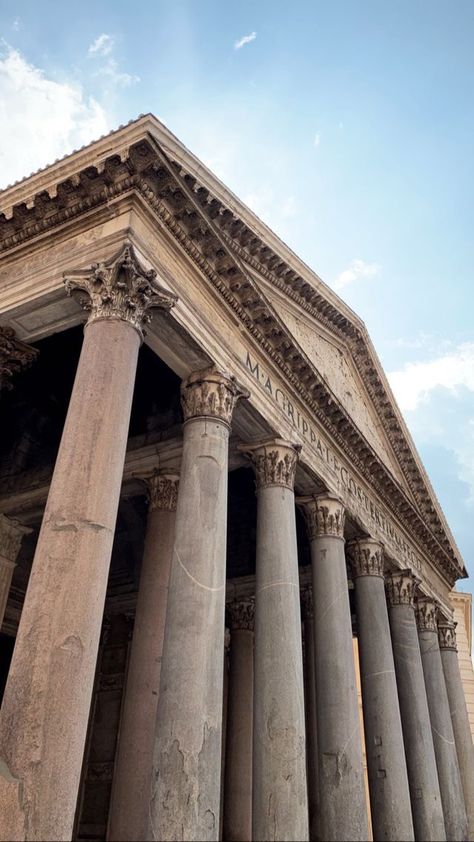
x,y
47,698
130,802
280,809
343,810
388,779
427,809
452,796
185,795
238,755
459,716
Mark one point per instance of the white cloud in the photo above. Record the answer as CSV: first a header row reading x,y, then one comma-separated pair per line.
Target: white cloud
x,y
317,139
103,45
41,119
413,384
358,269
117,77
246,39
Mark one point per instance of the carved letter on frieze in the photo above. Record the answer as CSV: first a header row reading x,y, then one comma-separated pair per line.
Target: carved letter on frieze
x,y
401,587
14,355
426,614
447,636
366,557
242,614
162,491
274,462
324,515
120,288
210,394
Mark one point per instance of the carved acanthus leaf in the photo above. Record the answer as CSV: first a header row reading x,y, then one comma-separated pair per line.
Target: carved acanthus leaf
x,y
401,587
366,557
11,535
14,355
242,614
324,515
120,288
426,614
447,636
274,462
210,394
162,491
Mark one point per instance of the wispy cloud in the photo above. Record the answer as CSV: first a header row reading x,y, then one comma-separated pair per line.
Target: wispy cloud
x,y
102,46
58,115
17,24
358,269
413,384
246,39
317,139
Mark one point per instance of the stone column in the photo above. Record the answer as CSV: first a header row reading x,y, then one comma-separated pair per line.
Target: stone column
x,y
47,699
128,816
388,780
427,810
14,355
341,777
280,808
11,535
312,771
459,716
185,797
238,761
450,785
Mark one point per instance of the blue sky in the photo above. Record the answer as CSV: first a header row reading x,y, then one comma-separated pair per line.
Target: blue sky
x,y
347,126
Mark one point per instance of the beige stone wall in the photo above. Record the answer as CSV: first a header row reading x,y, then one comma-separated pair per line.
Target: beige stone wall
x,y
462,605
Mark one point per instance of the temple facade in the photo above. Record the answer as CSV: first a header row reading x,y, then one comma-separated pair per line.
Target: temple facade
x,y
209,502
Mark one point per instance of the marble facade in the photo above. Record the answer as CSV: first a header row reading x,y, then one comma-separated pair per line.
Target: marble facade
x,y
202,502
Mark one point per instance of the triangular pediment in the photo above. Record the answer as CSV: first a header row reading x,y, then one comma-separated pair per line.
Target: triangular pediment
x,y
313,336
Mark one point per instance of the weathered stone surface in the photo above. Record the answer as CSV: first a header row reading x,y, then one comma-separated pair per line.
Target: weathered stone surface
x,y
452,797
427,810
129,809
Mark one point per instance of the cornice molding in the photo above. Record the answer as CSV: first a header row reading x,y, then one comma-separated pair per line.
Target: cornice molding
x,y
223,247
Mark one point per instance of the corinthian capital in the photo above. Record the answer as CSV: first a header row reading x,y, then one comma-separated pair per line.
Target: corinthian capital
x,y
210,394
14,355
447,636
274,462
366,557
426,614
120,288
11,536
162,491
324,515
242,614
401,587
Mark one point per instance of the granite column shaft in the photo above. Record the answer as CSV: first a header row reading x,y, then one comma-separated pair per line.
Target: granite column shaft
x,y
427,809
343,811
388,779
459,717
128,815
280,809
185,796
312,764
238,758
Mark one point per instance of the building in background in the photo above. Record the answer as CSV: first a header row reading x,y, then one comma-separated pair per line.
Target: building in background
x,y
236,462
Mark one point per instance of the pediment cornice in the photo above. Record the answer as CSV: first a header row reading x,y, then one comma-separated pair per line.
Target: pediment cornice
x,y
226,248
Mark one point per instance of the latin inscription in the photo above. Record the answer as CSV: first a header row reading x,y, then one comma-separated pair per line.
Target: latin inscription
x,y
347,481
